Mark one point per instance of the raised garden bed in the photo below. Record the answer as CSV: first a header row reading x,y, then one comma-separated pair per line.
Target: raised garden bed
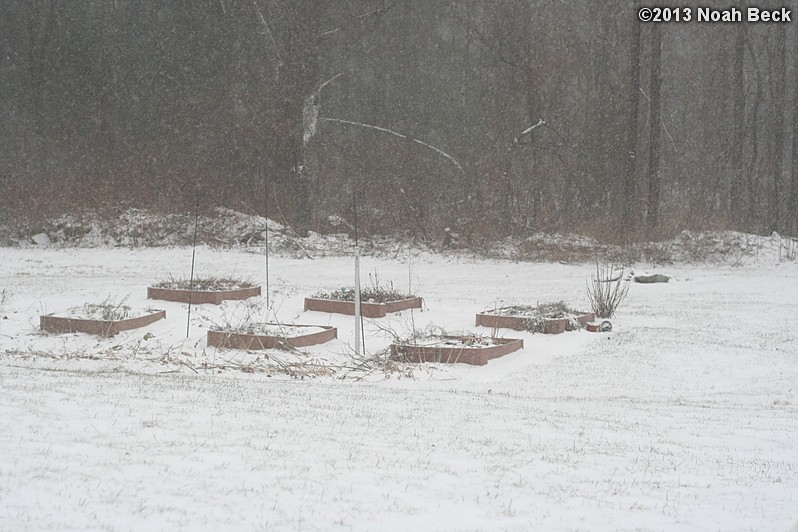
x,y
203,290
101,320
552,318
374,303
451,349
272,336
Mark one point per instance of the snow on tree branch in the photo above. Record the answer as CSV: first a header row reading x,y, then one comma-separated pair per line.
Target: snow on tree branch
x,y
360,18
311,109
397,134
528,130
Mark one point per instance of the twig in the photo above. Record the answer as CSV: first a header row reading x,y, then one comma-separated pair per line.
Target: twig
x,y
189,367
269,31
318,91
359,18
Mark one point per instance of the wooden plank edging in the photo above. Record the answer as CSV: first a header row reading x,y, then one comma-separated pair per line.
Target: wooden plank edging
x,y
368,310
477,356
200,297
63,324
518,323
231,340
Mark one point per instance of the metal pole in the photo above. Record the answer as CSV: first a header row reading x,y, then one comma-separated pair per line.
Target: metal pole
x,y
360,350
266,253
358,318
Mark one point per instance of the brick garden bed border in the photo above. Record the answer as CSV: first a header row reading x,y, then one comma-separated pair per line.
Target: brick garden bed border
x,y
477,356
517,323
368,310
199,297
62,324
232,340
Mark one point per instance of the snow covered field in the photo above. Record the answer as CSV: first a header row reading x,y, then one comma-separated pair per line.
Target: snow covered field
x,y
685,417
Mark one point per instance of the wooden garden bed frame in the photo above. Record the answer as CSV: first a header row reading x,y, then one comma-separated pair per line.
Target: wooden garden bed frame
x,y
368,310
518,323
233,340
199,297
477,356
63,324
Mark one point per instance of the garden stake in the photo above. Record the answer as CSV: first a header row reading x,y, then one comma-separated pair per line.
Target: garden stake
x,y
193,255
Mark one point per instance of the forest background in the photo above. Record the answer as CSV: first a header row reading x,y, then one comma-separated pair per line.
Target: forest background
x,y
490,117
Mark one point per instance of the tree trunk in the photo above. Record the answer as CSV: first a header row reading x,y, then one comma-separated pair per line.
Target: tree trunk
x,y
40,31
629,188
297,46
534,111
287,161
792,200
608,166
779,130
654,137
738,143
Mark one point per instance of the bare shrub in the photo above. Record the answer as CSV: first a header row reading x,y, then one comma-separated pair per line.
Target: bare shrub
x,y
606,290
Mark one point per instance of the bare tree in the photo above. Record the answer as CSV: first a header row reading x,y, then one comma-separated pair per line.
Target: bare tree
x,y
300,31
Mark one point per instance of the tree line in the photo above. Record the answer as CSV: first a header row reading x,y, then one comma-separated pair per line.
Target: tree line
x,y
490,117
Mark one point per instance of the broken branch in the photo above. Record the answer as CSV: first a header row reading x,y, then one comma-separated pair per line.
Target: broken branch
x,y
400,135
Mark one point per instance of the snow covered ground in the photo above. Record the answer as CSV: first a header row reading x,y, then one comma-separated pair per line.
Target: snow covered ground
x,y
685,417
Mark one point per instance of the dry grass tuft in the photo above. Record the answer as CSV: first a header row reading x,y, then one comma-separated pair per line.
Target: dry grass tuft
x,y
210,284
